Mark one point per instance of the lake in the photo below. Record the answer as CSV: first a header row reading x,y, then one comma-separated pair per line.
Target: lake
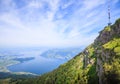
x,y
32,60
39,65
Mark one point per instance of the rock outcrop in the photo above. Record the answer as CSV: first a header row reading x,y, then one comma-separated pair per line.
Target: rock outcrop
x,y
105,55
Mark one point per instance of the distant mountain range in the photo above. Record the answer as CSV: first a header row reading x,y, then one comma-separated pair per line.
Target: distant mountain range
x,y
61,53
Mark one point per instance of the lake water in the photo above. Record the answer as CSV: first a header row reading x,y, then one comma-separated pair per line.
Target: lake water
x,y
39,65
32,61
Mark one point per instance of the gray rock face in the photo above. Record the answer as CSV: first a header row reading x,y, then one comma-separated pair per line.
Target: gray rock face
x,y
86,60
102,54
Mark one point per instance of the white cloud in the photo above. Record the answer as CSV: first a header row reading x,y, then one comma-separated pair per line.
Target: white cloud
x,y
90,4
35,4
35,25
11,20
64,6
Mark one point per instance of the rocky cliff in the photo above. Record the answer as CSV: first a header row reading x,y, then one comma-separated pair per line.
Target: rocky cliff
x,y
108,54
99,63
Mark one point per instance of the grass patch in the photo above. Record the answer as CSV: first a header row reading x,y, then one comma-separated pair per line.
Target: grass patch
x,y
107,28
112,44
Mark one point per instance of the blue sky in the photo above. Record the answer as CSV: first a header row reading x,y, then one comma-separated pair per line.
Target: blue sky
x,y
54,23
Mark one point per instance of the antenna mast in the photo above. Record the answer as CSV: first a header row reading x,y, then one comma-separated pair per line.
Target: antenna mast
x,y
109,17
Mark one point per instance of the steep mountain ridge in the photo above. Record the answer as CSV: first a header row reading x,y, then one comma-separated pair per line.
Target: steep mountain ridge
x,y
99,63
107,52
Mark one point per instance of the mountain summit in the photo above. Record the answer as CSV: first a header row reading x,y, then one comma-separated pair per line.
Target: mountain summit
x,y
99,63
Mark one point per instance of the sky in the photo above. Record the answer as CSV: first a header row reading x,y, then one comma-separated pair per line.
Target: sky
x,y
54,23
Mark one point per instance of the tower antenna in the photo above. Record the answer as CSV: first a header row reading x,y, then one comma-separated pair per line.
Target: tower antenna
x,y
109,15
